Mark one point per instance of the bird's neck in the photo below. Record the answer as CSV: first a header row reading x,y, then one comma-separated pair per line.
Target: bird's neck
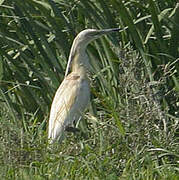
x,y
79,63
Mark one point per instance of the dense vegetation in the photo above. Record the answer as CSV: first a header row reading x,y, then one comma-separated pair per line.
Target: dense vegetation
x,y
130,129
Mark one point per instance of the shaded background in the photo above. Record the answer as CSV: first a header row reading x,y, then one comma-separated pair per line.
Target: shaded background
x,y
131,126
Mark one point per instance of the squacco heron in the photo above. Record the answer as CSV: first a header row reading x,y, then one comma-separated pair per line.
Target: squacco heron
x,y
73,95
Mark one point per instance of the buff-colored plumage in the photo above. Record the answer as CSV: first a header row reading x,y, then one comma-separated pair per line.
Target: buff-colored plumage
x,y
63,110
73,95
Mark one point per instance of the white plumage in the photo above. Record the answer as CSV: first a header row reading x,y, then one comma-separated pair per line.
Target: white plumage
x,y
64,109
73,95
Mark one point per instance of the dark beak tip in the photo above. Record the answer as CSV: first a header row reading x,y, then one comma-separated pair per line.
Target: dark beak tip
x,y
116,29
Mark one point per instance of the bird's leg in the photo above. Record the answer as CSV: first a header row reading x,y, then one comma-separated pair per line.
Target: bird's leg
x,y
71,129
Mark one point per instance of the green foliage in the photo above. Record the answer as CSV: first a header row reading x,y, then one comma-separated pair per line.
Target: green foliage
x,y
131,128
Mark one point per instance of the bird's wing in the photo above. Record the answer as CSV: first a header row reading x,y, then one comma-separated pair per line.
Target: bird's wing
x,y
62,103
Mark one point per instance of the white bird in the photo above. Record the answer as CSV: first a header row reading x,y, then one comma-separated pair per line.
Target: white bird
x,y
73,95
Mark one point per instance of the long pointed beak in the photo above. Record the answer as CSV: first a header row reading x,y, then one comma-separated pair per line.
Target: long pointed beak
x,y
105,31
91,34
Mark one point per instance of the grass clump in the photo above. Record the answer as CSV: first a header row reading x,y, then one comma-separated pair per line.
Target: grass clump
x,y
131,128
143,150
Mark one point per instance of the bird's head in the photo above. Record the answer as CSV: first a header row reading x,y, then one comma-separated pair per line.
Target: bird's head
x,y
83,39
88,35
